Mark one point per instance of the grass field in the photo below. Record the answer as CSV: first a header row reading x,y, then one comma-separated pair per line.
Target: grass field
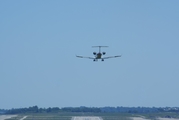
x,y
104,116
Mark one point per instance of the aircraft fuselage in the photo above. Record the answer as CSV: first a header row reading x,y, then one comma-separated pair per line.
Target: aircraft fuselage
x,y
98,56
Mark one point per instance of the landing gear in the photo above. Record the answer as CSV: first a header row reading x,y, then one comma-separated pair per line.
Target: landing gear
x,y
95,60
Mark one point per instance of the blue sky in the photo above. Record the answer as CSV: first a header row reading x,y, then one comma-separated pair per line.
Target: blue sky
x,y
40,38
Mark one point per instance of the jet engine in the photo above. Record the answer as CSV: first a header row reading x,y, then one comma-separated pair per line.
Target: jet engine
x,y
104,53
94,53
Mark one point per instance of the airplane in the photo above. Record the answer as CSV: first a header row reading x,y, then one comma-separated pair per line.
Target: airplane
x,y
99,55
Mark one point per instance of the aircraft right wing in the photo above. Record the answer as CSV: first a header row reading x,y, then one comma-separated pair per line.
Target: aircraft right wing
x,y
111,57
84,57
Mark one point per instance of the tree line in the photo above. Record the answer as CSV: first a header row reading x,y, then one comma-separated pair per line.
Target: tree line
x,y
36,109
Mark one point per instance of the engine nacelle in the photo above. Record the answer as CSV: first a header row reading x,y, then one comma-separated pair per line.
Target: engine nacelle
x,y
94,53
104,53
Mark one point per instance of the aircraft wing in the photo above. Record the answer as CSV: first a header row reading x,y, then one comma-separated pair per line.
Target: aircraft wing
x,y
84,57
112,57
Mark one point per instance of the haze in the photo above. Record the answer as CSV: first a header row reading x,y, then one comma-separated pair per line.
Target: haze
x,y
39,40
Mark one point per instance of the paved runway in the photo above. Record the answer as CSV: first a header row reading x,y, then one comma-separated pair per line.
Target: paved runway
x,y
86,118
23,118
3,117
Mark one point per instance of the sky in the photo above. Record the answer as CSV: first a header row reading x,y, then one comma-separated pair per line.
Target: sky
x,y
39,41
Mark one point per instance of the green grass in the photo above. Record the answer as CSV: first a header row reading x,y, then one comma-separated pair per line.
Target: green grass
x,y
153,116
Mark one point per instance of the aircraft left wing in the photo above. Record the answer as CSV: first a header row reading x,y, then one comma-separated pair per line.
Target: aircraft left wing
x,y
111,57
84,57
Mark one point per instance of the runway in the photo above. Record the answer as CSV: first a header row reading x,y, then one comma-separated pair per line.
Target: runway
x,y
23,118
86,118
139,118
3,117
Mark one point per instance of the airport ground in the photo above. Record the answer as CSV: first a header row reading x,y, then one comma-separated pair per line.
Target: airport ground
x,y
91,116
